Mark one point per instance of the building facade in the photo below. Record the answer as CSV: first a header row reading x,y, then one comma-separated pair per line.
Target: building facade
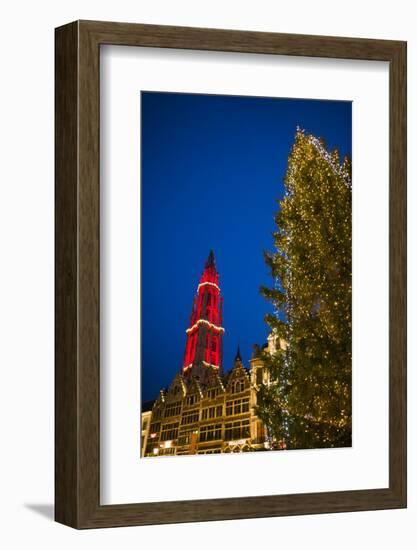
x,y
205,411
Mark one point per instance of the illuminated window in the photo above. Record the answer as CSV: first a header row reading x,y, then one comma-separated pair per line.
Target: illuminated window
x,y
212,412
185,438
237,430
170,451
211,432
237,406
156,414
191,399
174,409
259,376
238,386
151,445
214,392
190,417
169,431
155,427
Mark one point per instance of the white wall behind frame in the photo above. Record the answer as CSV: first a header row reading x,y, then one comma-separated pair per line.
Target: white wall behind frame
x,y
27,245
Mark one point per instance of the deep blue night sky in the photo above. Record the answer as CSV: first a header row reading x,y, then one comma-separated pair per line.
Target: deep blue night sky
x,y
212,170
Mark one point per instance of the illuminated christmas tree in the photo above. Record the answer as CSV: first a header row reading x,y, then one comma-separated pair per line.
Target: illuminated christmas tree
x,y
309,403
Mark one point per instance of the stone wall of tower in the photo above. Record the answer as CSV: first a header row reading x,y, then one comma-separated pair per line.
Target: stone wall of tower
x,y
203,349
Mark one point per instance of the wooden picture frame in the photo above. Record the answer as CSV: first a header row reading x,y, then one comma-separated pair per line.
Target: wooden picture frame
x,y
77,359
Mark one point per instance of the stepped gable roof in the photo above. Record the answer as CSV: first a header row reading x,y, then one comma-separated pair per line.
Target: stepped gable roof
x,y
177,383
212,376
236,371
194,386
214,381
160,398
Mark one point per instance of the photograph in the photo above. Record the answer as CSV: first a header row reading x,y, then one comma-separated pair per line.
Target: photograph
x,y
246,274
208,267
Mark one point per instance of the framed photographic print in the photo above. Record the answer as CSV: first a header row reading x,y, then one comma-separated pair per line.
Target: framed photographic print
x,y
230,274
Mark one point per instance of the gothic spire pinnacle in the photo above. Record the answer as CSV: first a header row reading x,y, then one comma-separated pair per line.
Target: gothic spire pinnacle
x,y
210,260
238,357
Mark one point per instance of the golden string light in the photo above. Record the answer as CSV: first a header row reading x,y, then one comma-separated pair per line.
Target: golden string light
x,y
311,403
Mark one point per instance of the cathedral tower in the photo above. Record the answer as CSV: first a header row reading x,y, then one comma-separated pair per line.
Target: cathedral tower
x,y
203,350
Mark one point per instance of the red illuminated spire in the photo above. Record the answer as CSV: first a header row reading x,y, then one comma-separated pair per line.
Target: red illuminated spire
x,y
203,350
